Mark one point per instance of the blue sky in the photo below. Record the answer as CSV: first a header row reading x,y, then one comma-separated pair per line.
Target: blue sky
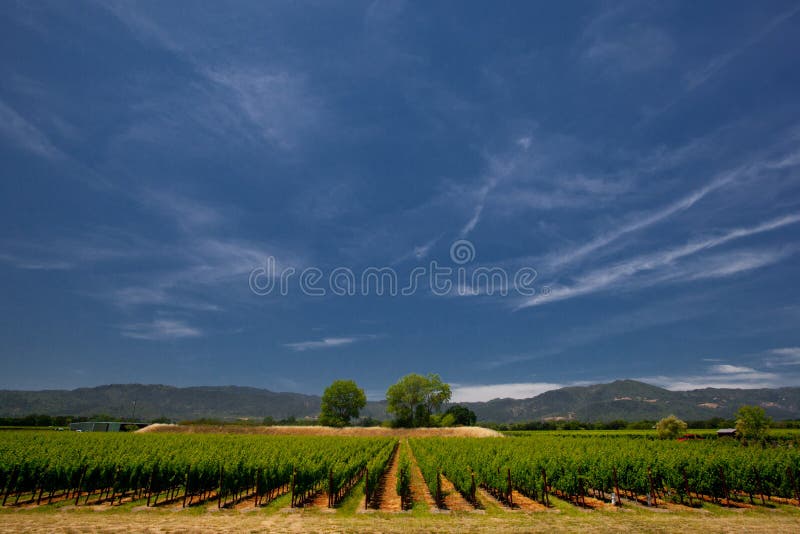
x,y
643,158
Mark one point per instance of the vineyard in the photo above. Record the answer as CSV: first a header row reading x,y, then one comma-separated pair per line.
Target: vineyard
x,y
611,469
230,471
109,468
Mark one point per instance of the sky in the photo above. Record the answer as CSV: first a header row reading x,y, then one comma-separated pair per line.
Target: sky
x,y
212,193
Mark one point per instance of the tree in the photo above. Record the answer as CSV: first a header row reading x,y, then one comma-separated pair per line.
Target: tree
x,y
461,415
341,402
670,427
415,397
752,422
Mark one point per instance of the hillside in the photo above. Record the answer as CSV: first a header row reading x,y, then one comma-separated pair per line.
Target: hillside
x,y
623,399
631,400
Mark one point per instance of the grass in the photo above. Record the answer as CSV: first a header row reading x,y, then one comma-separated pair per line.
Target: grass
x,y
275,518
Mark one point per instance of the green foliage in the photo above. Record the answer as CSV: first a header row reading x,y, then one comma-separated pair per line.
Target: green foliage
x,y
670,427
575,463
342,401
403,485
58,461
414,398
461,415
752,422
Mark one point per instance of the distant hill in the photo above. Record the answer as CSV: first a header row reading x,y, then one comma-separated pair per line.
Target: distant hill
x,y
623,399
634,401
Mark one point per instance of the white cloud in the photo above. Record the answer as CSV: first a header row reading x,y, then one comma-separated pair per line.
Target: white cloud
x,y
160,330
324,343
722,376
731,369
485,392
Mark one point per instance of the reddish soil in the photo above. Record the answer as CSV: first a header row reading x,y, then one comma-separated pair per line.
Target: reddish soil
x,y
453,500
387,498
526,504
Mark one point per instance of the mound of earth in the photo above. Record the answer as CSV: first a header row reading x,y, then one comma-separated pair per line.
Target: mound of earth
x,y
374,431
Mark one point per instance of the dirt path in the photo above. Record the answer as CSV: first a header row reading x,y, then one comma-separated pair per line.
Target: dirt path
x,y
453,500
387,498
521,502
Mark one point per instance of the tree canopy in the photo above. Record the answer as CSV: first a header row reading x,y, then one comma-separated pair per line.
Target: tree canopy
x,y
341,402
752,422
414,398
460,415
670,427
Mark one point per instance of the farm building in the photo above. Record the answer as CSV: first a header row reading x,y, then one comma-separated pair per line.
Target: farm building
x,y
726,432
106,426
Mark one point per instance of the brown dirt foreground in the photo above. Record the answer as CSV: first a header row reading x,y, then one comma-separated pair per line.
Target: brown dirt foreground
x,y
231,521
372,431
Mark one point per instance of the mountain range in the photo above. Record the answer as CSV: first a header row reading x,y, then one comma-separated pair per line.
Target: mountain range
x,y
623,399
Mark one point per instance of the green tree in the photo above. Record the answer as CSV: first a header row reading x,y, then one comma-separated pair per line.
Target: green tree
x,y
752,422
461,415
341,402
414,398
670,427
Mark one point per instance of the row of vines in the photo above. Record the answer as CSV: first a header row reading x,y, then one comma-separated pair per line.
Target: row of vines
x,y
574,467
43,467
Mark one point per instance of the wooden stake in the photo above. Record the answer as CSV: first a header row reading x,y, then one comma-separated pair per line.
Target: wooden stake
x,y
219,491
686,485
510,488
724,486
545,496
80,483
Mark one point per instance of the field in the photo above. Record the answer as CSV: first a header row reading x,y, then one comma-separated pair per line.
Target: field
x,y
169,481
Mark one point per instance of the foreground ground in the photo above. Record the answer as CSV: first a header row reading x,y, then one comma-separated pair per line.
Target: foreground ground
x,y
350,518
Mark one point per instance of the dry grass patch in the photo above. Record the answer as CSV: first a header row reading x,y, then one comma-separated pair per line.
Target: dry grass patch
x,y
373,431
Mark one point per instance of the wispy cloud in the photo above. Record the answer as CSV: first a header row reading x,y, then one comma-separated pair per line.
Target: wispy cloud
x,y
160,330
783,356
654,314
630,48
275,100
644,221
699,76
183,211
325,343
19,131
612,275
35,264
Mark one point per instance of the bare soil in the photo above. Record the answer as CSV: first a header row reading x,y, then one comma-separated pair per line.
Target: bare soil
x,y
453,500
387,498
372,431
